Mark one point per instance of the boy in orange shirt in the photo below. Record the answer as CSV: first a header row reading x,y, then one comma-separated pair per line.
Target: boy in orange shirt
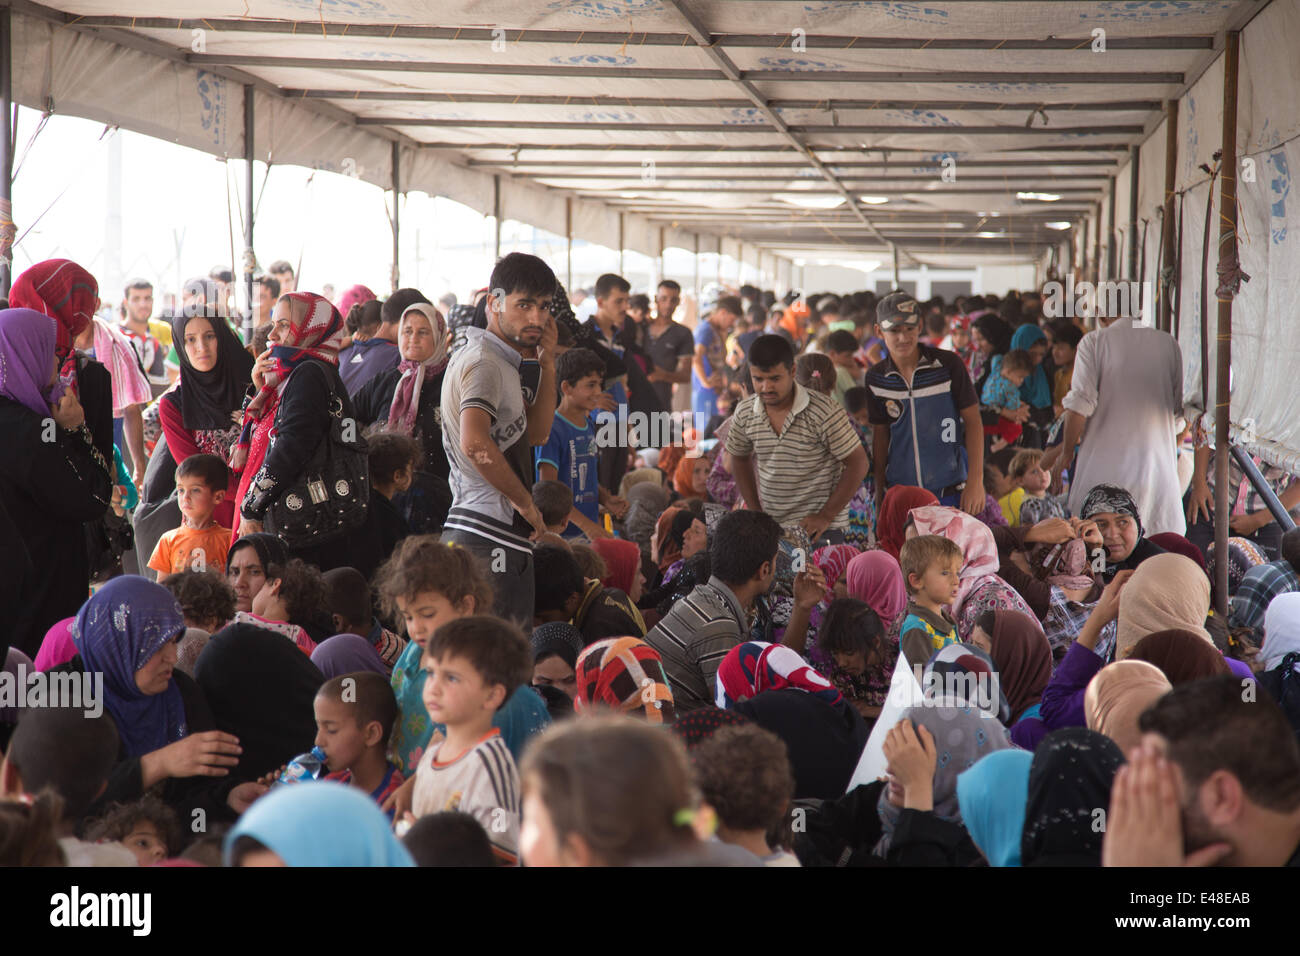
x,y
199,544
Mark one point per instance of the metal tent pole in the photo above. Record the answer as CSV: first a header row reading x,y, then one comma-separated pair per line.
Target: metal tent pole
x,y
6,129
1227,264
249,259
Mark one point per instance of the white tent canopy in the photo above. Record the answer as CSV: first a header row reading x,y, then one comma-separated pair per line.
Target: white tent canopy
x,y
950,132
735,118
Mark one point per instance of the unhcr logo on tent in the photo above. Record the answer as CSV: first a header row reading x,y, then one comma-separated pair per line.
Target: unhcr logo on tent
x,y
1108,299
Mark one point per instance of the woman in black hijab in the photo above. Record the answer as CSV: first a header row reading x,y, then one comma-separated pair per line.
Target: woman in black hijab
x,y
202,413
260,687
1069,794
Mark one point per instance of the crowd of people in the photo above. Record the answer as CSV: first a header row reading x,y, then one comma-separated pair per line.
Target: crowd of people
x,y
396,583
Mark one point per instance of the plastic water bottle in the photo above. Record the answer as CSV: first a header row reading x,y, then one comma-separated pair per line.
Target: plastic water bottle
x,y
308,766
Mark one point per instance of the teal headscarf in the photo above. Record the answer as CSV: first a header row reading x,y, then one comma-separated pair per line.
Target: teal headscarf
x,y
992,796
320,823
1035,391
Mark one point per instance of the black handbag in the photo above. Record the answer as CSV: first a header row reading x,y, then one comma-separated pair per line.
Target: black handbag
x,y
331,494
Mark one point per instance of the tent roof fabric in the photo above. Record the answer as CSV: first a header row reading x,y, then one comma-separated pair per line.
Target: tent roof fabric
x,y
764,122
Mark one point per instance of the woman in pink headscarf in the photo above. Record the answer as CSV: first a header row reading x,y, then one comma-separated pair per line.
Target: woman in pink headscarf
x,y
981,589
407,399
298,382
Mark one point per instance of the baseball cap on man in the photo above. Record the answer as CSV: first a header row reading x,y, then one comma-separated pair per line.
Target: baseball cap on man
x,y
897,310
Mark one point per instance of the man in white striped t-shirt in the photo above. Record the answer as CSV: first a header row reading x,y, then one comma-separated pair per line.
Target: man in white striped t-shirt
x,y
810,461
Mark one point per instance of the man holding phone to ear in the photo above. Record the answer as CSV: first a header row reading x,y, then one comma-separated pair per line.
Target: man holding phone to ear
x,y
490,429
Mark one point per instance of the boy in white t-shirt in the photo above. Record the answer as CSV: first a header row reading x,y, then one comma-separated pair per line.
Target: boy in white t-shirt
x,y
474,664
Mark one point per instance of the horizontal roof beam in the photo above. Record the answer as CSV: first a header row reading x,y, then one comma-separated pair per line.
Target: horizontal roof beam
x,y
529,164
661,177
604,99
665,73
634,38
757,148
732,129
836,192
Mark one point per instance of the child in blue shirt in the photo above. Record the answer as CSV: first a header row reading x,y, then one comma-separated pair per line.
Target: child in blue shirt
x,y
1002,393
571,454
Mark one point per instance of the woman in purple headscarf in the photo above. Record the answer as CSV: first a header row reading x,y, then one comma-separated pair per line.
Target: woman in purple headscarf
x,y
347,654
52,477
126,636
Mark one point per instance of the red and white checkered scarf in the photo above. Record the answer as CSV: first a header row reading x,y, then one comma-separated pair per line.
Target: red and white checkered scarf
x,y
315,332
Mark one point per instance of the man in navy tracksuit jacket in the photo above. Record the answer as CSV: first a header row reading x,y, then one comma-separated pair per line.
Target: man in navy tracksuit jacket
x,y
924,413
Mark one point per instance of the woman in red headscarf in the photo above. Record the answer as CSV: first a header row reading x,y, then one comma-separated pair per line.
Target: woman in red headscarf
x,y
891,525
297,381
69,294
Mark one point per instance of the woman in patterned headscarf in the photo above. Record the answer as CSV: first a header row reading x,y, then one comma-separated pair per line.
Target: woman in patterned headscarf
x,y
297,380
624,674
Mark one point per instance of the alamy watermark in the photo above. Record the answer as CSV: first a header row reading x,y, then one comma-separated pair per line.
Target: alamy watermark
x,y
23,689
1106,299
628,429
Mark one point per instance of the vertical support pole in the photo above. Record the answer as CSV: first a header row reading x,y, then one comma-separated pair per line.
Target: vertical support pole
x,y
1096,245
1134,154
568,243
659,269
1227,264
250,261
496,217
622,239
1112,267
697,271
1170,236
894,251
397,221
6,136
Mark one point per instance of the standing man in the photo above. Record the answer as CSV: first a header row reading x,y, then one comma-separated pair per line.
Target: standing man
x,y
266,290
1131,439
810,461
607,326
282,273
669,344
489,430
137,299
711,356
925,416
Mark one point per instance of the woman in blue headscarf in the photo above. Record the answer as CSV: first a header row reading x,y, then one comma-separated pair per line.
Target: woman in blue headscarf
x,y
320,823
991,796
127,638
1036,391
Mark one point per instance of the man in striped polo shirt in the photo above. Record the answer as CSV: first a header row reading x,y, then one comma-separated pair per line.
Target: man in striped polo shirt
x,y
700,628
489,430
925,415
810,461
